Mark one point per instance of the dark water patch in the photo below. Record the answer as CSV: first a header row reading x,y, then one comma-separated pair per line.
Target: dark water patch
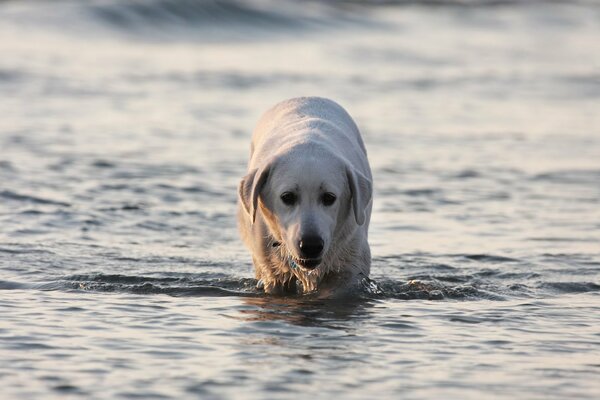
x,y
575,177
563,239
426,192
159,226
399,326
487,258
8,285
142,395
498,342
467,319
68,389
499,274
71,309
268,313
190,189
450,278
518,275
582,85
486,273
441,267
414,228
390,54
31,212
451,3
583,259
10,195
114,186
424,262
127,207
26,342
62,165
9,76
520,289
467,174
168,11
134,15
19,248
570,287
6,166
103,164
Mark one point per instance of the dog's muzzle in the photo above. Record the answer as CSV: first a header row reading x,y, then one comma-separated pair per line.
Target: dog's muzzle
x,y
308,264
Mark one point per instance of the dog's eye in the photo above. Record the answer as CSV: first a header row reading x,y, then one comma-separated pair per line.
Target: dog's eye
x,y
328,198
289,198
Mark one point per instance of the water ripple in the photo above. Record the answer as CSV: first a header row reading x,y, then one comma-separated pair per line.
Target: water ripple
x,y
10,195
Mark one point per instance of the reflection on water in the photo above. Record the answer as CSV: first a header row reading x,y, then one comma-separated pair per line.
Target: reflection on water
x,y
330,314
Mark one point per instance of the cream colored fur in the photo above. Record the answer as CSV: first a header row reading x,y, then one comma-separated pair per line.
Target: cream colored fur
x,y
307,145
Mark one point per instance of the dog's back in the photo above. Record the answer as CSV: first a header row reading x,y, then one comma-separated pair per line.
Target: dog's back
x,y
308,119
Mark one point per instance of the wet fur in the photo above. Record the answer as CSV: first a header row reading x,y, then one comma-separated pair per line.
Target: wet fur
x,y
348,257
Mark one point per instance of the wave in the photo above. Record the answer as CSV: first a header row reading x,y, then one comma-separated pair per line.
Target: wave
x,y
571,287
10,285
460,3
203,285
219,285
10,195
575,177
168,19
224,18
168,12
220,19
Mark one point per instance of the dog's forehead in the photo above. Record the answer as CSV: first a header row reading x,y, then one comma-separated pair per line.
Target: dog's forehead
x,y
309,173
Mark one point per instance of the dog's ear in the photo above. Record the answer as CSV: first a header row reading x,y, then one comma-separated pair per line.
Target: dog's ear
x,y
361,189
250,188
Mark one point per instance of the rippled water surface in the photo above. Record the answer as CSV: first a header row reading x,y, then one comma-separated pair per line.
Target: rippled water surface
x,y
124,130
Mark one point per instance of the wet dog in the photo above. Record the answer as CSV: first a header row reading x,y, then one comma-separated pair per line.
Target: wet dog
x,y
305,204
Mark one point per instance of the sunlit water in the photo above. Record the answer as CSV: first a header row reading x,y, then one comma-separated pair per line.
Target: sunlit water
x,y
125,127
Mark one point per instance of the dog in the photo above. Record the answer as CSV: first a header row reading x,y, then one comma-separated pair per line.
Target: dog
x,y
305,205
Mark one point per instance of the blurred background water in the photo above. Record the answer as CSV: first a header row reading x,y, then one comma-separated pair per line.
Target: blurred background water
x,y
125,128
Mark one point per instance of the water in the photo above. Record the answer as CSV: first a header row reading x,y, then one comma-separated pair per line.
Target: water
x,y
125,128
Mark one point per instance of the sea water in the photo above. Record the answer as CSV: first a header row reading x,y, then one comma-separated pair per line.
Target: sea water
x,y
125,129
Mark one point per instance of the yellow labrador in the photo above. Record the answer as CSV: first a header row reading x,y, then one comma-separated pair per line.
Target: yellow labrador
x,y
305,204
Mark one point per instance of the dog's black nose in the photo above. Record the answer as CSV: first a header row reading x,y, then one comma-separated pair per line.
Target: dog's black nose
x,y
311,246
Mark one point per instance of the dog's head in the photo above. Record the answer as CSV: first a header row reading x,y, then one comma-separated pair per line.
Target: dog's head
x,y
306,200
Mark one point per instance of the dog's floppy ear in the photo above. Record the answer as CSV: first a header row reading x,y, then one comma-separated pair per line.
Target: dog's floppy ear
x,y
361,189
250,188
